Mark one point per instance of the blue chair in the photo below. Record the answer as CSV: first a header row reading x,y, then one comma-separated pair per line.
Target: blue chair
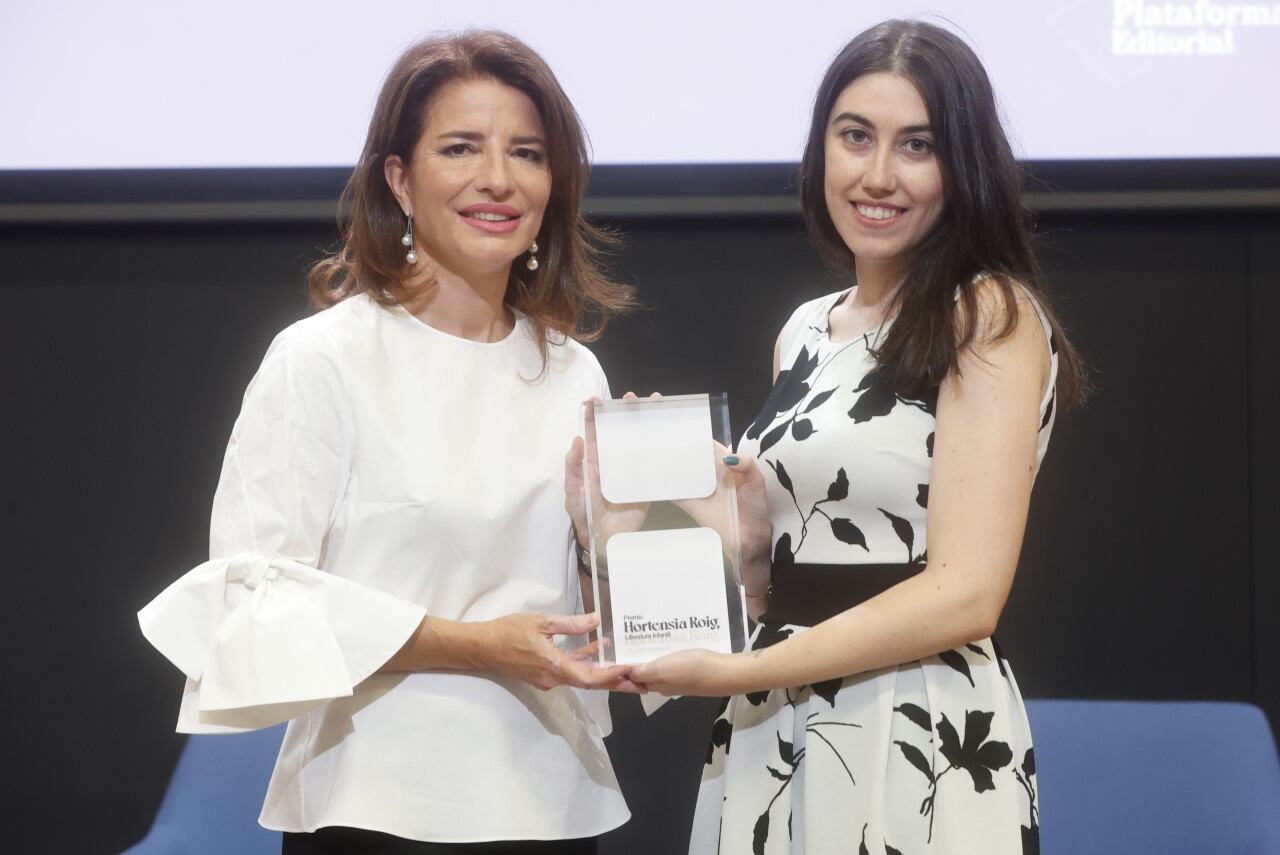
x,y
1122,777
215,796
1166,778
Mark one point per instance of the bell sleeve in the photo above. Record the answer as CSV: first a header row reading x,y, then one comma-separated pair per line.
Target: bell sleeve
x,y
262,633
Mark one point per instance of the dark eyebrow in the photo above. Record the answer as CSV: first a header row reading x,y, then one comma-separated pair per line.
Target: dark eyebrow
x,y
474,136
863,120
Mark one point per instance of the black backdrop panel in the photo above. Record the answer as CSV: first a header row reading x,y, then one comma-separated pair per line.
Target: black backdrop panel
x,y
128,350
1264,314
1135,573
132,352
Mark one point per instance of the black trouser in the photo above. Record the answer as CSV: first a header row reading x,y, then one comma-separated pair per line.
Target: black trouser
x,y
357,841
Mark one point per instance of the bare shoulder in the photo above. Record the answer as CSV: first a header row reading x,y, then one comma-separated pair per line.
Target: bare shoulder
x,y
1009,345
1007,319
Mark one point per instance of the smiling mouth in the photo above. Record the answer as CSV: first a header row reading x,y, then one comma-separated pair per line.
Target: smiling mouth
x,y
505,220
878,213
490,217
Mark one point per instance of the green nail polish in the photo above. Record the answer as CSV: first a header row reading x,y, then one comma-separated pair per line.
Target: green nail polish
x,y
731,460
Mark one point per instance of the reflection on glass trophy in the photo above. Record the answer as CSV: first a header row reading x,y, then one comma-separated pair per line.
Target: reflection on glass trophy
x,y
663,527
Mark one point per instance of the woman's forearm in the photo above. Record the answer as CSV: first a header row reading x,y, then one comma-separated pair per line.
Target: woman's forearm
x,y
520,645
439,645
919,617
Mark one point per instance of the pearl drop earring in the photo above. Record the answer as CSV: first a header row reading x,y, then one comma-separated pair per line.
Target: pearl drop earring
x,y
406,240
532,263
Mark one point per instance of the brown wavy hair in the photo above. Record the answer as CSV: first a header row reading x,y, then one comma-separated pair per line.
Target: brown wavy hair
x,y
569,293
984,226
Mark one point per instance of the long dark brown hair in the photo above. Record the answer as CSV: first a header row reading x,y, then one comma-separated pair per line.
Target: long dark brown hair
x,y
984,226
569,292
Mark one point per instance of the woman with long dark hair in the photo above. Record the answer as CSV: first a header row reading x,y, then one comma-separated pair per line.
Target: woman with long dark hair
x,y
391,564
896,456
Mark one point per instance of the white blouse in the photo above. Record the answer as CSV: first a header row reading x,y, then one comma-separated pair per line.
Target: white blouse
x,y
381,470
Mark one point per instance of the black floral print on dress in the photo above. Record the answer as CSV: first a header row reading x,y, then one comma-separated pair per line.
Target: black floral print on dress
x,y
942,742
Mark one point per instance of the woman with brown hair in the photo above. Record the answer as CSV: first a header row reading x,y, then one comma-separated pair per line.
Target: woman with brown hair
x,y
391,564
897,452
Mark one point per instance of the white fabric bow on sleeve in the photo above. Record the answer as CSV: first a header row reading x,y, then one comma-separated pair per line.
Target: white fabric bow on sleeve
x,y
261,633
252,631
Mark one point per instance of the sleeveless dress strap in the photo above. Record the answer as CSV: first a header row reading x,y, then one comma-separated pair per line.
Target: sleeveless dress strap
x,y
808,315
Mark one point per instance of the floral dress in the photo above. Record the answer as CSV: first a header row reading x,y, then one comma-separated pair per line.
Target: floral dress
x,y
928,756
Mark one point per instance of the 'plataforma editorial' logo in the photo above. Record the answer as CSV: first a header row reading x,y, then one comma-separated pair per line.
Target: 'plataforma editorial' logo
x,y
1197,28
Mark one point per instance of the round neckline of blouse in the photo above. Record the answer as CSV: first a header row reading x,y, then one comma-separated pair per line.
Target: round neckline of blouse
x,y
412,319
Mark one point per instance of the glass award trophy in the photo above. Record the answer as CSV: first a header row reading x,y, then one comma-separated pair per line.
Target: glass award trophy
x,y
663,527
